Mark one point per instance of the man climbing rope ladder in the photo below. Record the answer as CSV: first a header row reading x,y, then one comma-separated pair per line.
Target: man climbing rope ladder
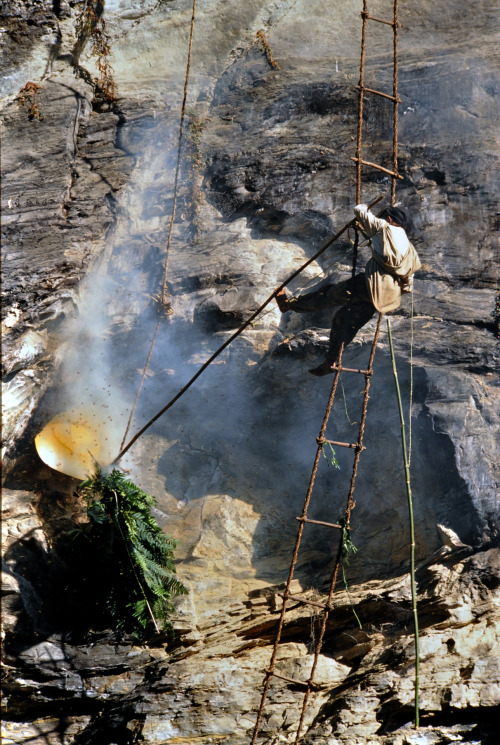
x,y
387,274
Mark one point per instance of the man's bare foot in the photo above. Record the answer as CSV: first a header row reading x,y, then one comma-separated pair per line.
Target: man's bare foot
x,y
282,300
326,368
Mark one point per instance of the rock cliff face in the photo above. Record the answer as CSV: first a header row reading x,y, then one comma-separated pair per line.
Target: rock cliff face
x,y
266,177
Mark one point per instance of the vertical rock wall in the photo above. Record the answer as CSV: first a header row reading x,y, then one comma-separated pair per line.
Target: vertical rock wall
x,y
266,177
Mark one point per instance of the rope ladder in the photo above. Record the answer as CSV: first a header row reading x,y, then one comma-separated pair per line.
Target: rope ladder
x,y
308,686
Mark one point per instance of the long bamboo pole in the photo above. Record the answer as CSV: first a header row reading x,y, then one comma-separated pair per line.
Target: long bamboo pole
x,y
412,527
237,333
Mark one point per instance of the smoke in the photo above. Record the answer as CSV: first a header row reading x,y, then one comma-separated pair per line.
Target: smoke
x,y
246,428
89,407
103,350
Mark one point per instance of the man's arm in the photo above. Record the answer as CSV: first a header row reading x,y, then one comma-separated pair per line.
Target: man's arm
x,y
369,223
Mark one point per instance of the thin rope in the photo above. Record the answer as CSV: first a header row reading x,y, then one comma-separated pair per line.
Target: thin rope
x,y
396,104
412,528
139,389
411,382
166,305
177,167
361,93
345,405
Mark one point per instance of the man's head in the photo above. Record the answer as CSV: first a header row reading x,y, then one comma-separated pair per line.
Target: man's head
x,y
398,216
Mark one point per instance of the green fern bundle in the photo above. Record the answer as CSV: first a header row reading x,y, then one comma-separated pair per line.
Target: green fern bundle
x,y
136,559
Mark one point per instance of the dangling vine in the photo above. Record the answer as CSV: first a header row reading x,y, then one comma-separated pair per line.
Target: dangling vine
x,y
332,456
348,548
28,95
91,25
261,37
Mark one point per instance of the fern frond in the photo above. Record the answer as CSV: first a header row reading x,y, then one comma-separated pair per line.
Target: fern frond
x,y
141,557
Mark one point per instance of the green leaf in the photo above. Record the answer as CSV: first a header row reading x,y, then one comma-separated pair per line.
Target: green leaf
x,y
333,456
139,556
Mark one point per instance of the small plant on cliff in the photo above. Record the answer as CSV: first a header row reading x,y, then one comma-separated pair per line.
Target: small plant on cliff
x,y
332,456
194,159
348,548
91,25
28,95
267,49
496,315
134,556
195,131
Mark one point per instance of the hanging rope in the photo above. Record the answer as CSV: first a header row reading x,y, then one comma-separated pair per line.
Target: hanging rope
x,y
410,407
139,389
164,303
355,252
361,86
396,104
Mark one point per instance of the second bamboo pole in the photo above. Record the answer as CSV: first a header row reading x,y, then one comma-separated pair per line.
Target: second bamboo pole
x,y
412,528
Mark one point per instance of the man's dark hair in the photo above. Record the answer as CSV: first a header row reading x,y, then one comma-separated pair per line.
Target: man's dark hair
x,y
400,215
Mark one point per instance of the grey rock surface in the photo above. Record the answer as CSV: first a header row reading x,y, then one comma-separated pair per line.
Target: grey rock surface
x,y
266,178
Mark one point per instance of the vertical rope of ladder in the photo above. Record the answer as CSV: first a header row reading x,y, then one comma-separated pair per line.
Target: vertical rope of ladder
x,y
361,95
359,135
368,373
396,105
298,540
347,516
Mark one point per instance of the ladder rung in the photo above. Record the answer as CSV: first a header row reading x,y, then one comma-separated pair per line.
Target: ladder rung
x,y
291,680
352,369
378,93
379,168
324,606
318,522
353,445
378,20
